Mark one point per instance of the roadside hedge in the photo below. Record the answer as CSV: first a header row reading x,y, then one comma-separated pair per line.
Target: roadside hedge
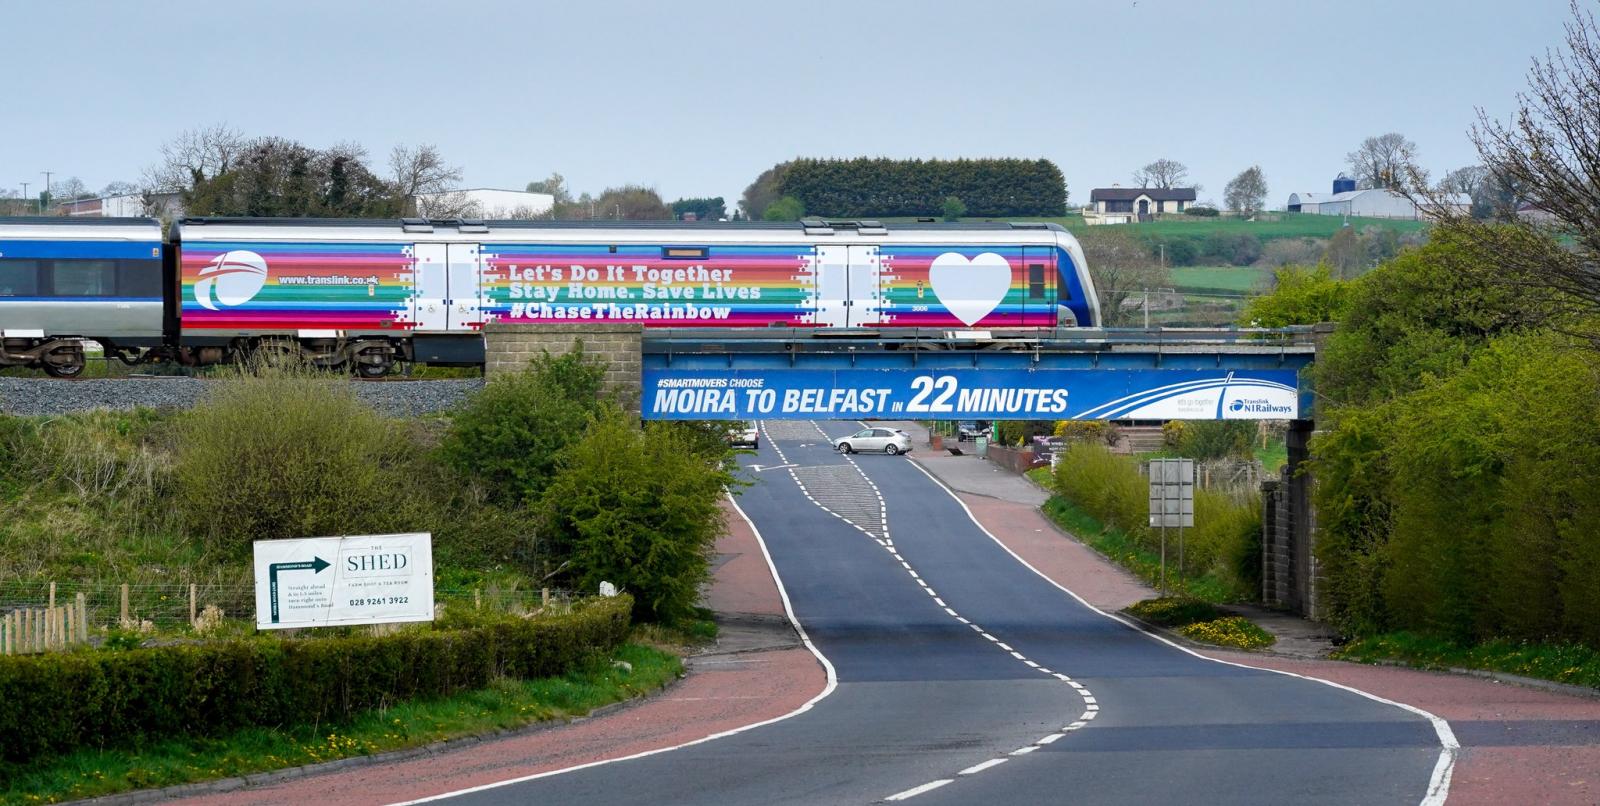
x,y
55,703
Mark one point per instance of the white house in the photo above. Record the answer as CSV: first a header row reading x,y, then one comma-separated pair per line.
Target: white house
x,y
1120,205
484,203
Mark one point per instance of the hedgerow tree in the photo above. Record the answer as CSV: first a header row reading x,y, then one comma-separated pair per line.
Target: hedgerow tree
x,y
1545,155
637,508
867,187
509,435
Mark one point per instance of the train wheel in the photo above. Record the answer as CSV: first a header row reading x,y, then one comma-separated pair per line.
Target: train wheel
x,y
71,369
373,370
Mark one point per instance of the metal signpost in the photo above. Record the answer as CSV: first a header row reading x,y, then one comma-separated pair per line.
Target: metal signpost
x,y
1171,504
324,581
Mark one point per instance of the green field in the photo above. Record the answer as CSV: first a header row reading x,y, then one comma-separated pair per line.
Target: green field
x,y
1235,279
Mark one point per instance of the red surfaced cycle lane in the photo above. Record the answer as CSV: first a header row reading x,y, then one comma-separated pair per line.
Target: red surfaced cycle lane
x,y
1519,745
723,692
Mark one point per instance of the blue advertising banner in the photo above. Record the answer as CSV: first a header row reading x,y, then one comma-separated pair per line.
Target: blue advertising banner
x,y
961,394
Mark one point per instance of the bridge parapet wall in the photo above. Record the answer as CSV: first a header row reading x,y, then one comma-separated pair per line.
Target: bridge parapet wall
x,y
509,348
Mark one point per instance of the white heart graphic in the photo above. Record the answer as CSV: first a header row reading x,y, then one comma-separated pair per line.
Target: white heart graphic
x,y
970,289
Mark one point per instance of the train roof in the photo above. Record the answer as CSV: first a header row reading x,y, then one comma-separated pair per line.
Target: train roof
x,y
80,227
808,231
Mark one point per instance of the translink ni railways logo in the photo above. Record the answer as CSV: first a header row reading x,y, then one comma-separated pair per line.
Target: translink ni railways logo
x,y
232,279
1258,406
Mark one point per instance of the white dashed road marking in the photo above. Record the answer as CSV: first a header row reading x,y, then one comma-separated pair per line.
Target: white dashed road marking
x,y
835,489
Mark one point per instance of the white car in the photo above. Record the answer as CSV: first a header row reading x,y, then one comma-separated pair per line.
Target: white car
x,y
744,432
888,440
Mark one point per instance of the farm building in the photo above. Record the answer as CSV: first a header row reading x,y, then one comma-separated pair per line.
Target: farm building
x,y
1306,202
1120,205
1372,203
484,203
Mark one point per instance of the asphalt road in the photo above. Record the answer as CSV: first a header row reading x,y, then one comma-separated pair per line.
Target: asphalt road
x,y
964,677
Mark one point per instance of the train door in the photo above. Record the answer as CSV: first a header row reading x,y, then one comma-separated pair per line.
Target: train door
x,y
849,291
866,287
1038,276
832,277
464,305
431,287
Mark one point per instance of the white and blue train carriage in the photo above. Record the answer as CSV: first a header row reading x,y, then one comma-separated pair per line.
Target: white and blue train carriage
x,y
68,281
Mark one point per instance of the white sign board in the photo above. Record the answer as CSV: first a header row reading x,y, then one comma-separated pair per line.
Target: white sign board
x,y
329,581
1172,492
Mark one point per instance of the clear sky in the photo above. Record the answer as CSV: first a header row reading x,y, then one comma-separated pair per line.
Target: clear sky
x,y
697,97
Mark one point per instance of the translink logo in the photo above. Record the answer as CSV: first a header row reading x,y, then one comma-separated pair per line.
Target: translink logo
x,y
1258,406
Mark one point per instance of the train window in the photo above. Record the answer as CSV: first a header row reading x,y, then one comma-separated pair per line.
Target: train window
x,y
139,278
685,252
1036,281
84,278
19,278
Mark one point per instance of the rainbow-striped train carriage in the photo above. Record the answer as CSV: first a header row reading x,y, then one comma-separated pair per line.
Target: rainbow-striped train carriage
x,y
365,294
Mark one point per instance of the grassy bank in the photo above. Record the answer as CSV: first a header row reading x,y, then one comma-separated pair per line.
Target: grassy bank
x,y
506,704
1573,664
1121,549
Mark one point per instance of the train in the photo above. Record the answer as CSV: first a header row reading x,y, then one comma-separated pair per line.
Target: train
x,y
364,295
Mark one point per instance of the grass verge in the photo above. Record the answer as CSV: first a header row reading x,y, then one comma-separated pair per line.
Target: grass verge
x,y
1572,664
1202,621
1121,549
505,704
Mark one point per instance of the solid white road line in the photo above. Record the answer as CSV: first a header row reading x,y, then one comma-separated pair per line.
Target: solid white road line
x,y
788,610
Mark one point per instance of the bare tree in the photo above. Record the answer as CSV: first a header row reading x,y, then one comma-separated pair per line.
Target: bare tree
x,y
1122,267
1547,155
1386,161
194,156
425,185
1246,194
1163,173
119,188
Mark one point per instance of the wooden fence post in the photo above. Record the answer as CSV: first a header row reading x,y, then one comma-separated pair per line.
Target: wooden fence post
x,y
123,621
83,618
192,613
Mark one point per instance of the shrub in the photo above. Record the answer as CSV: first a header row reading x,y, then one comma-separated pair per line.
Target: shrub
x,y
1172,433
282,453
954,209
57,702
1216,439
1177,251
1174,611
639,509
1201,210
1088,431
787,208
1227,530
1234,631
1299,296
1236,248
510,434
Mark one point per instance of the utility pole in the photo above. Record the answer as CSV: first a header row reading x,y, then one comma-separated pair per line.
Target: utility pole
x,y
46,191
25,191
